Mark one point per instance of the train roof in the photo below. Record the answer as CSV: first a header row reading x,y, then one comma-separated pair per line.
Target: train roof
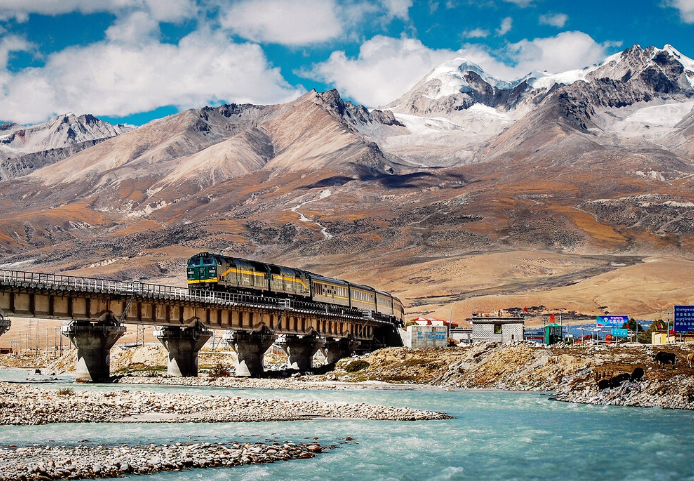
x,y
362,286
329,279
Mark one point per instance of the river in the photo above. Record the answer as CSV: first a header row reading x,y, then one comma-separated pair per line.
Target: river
x,y
495,436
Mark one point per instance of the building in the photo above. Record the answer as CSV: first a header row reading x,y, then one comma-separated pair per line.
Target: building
x,y
661,337
461,334
497,329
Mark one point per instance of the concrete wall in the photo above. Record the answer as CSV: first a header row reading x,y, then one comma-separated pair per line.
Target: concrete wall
x,y
512,332
461,335
426,336
484,333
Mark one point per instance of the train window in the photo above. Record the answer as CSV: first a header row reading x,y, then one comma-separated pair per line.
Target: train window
x,y
209,261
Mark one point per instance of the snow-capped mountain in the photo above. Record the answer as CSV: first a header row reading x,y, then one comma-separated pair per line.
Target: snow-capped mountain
x,y
60,131
457,107
459,84
26,148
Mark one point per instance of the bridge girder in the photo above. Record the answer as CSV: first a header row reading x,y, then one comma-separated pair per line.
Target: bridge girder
x,y
38,302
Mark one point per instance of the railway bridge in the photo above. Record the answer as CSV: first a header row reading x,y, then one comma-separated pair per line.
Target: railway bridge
x,y
98,310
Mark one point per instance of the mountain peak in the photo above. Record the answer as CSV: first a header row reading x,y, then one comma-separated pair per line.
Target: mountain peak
x,y
56,133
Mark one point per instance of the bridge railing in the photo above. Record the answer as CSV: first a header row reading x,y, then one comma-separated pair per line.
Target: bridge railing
x,y
143,290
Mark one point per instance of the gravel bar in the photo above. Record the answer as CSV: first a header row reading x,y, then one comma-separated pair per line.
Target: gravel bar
x,y
63,462
28,405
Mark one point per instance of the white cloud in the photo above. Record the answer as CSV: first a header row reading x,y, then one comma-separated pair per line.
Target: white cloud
x,y
12,43
305,22
397,8
566,51
555,20
476,33
685,7
288,22
118,79
137,28
388,67
520,3
505,27
162,10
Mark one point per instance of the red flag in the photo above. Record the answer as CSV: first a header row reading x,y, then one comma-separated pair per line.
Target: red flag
x,y
525,309
551,318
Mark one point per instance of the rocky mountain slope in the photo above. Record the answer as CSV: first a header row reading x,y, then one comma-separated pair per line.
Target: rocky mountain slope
x,y
24,149
596,164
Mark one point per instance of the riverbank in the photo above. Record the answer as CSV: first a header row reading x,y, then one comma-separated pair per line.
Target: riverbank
x,y
65,462
572,373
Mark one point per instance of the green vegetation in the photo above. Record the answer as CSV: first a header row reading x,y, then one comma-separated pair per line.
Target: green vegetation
x,y
355,366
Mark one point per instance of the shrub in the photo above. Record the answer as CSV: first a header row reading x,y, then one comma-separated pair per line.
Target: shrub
x,y
357,365
65,391
219,371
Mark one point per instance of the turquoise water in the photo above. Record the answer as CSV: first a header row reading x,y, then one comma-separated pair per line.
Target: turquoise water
x,y
495,436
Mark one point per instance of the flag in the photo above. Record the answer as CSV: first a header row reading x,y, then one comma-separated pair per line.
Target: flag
x,y
551,318
525,309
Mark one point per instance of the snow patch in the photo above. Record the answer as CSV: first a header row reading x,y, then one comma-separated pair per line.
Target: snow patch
x,y
148,209
651,174
667,115
687,205
426,125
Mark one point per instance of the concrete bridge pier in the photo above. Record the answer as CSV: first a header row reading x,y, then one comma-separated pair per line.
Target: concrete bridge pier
x,y
93,341
183,344
301,349
4,325
336,349
250,349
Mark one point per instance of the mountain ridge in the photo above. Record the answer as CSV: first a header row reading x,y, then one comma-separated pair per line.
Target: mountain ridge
x,y
24,149
600,171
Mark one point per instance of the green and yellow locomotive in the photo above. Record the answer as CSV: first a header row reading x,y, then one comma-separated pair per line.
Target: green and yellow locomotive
x,y
231,274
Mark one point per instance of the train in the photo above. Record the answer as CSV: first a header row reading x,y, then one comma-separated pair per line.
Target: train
x,y
231,274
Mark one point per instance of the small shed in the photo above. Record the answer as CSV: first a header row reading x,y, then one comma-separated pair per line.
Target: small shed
x,y
553,334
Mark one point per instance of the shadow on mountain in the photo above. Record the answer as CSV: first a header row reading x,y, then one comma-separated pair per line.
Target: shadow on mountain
x,y
419,179
335,181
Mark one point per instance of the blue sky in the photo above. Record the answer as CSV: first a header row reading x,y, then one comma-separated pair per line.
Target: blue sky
x,y
136,60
